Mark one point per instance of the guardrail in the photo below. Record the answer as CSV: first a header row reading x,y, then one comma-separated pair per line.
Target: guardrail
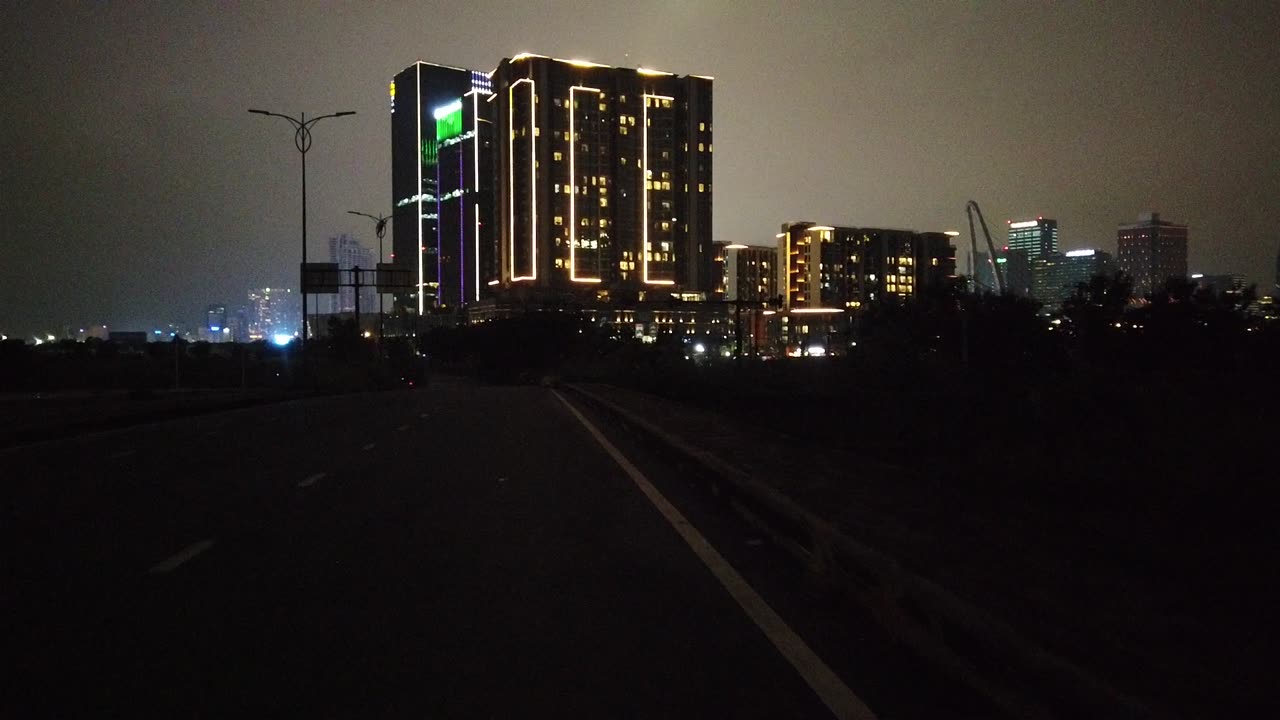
x,y
982,651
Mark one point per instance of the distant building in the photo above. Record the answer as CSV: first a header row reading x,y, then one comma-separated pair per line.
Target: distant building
x,y
826,271
1015,268
1222,282
273,311
133,341
348,253
822,267
1151,251
746,272
1277,292
1056,275
1036,238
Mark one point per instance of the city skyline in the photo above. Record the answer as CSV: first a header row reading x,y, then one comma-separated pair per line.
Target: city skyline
x,y
176,198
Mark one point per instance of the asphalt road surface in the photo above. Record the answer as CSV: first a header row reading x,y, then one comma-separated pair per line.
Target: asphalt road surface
x,y
457,551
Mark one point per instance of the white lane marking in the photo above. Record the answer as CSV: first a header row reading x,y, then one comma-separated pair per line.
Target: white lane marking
x,y
402,428
311,480
186,554
834,693
368,447
423,416
122,454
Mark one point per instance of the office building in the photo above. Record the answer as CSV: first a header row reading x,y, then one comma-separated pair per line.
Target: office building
x,y
349,253
462,161
603,179
1151,251
1055,276
1015,269
416,93
1036,238
1220,283
216,327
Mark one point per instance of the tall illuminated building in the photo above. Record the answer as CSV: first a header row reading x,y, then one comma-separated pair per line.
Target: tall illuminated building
x,y
603,179
1151,251
1036,238
464,178
416,93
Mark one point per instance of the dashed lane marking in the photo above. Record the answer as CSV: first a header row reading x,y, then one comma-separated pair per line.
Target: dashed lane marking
x,y
311,480
368,447
183,556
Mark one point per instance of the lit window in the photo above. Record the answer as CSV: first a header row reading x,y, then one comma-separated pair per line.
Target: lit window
x,y
701,187
557,156
702,126
622,131
559,220
701,147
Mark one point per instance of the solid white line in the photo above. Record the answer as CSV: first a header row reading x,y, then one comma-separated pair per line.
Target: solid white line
x,y
311,480
187,553
833,692
367,447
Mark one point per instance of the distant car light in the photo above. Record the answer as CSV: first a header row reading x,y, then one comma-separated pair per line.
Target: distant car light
x,y
281,339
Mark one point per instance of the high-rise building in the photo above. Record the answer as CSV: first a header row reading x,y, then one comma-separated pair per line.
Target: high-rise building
x,y
747,272
603,179
1034,237
1056,275
272,312
462,160
1151,251
416,93
826,268
349,253
1015,269
216,318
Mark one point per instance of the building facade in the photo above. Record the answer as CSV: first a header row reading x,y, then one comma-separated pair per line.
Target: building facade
x,y
417,92
1056,275
603,179
745,272
827,268
349,253
1151,251
1036,238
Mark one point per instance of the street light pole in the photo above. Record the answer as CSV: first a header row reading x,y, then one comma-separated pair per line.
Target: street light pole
x,y
380,228
302,141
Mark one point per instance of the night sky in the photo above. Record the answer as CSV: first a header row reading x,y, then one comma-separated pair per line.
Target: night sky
x,y
135,188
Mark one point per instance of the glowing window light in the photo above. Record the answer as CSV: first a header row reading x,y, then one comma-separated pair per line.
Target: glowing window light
x,y
573,188
1083,253
533,188
1024,224
644,173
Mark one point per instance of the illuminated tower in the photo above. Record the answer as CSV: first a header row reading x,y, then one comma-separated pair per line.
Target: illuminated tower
x,y
416,92
603,179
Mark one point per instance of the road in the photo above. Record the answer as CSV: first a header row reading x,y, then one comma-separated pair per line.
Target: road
x,y
457,551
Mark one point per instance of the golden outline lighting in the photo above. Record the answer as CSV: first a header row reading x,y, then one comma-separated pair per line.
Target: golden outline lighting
x,y
573,187
418,153
817,311
533,176
644,177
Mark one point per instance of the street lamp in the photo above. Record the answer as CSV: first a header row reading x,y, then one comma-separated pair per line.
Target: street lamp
x,y
302,140
380,227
